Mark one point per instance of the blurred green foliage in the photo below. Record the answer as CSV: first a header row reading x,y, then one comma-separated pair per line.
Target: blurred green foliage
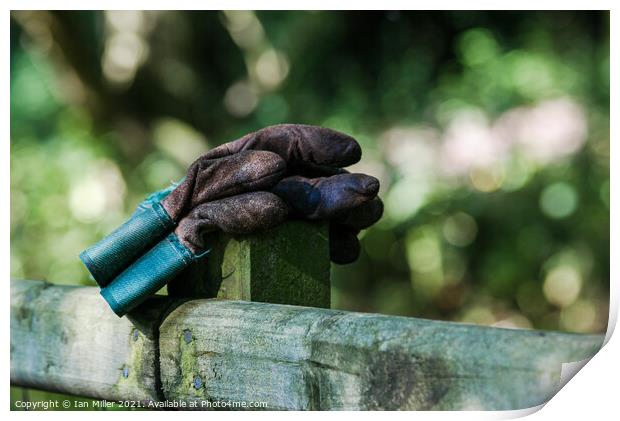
x,y
488,130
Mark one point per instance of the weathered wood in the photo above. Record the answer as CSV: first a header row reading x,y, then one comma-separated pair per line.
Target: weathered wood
x,y
303,358
66,339
286,265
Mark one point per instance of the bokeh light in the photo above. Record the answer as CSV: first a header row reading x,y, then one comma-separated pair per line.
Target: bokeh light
x,y
562,285
460,229
126,47
240,99
558,200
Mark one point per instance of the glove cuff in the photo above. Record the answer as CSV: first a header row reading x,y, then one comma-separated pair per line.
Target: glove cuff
x,y
147,275
110,256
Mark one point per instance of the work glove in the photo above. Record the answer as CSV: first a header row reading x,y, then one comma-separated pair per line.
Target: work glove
x,y
316,186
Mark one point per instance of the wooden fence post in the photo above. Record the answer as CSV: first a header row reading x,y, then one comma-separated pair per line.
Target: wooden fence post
x,y
286,265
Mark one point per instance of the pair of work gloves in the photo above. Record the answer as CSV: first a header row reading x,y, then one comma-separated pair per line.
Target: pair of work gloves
x,y
248,185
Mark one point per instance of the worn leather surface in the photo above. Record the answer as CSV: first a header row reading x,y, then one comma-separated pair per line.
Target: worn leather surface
x,y
313,183
240,214
210,179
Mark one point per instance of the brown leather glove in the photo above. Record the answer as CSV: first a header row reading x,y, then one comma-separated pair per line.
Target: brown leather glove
x,y
316,187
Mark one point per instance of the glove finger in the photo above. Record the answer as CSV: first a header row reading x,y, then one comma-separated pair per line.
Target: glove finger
x,y
240,214
210,179
344,247
299,145
326,197
363,216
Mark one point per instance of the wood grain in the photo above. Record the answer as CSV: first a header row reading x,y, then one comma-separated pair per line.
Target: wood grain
x,y
306,358
286,265
65,339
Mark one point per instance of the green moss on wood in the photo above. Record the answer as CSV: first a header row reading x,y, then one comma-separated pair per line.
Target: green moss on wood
x,y
189,367
131,375
286,265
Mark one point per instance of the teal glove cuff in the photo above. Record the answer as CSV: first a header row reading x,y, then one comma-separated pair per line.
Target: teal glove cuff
x,y
148,274
147,225
106,259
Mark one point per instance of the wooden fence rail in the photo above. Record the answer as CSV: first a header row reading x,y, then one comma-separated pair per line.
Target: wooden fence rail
x,y
65,339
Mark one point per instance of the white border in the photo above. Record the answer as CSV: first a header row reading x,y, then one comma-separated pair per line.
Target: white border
x,y
593,391
314,5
